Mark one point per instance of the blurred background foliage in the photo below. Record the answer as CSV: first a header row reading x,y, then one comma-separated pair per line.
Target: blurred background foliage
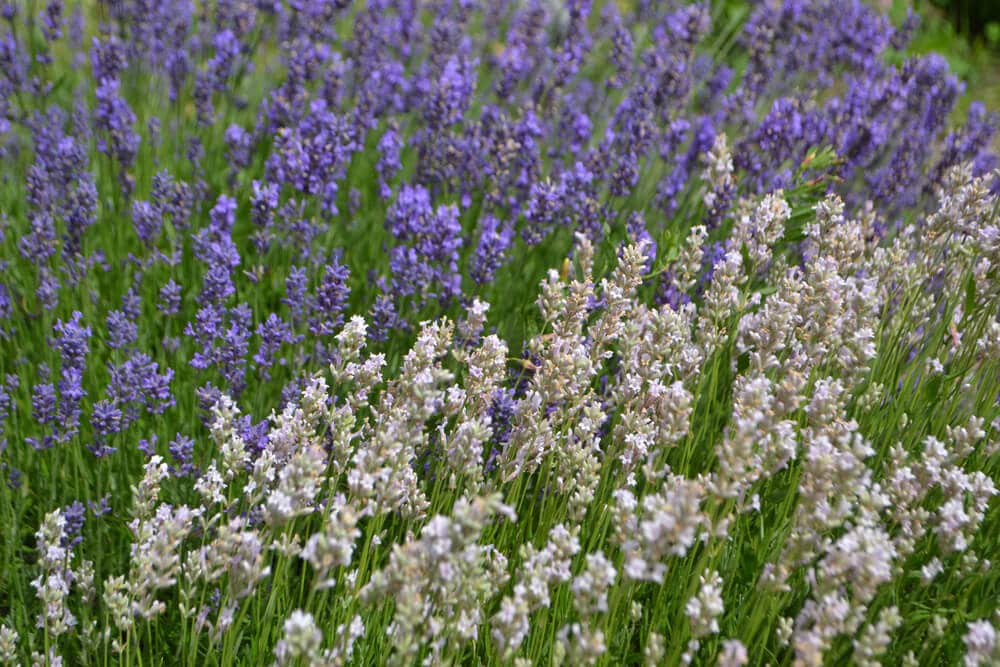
x,y
974,18
967,33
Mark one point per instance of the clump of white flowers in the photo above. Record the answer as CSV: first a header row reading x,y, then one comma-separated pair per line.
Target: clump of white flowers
x,y
8,645
439,581
981,645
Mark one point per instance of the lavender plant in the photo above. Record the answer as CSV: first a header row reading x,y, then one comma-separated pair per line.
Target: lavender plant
x,y
513,332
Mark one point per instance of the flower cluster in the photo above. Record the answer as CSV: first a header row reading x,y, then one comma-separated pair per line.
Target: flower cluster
x,y
494,333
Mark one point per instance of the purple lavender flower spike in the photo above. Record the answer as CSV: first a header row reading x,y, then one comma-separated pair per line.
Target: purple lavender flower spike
x,y
115,119
494,240
274,332
425,263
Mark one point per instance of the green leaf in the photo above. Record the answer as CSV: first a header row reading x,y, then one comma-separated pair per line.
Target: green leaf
x,y
970,295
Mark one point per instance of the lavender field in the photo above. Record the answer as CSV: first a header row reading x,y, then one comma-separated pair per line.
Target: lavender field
x,y
515,332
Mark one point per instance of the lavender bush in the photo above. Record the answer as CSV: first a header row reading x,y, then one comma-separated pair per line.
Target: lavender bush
x,y
513,332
